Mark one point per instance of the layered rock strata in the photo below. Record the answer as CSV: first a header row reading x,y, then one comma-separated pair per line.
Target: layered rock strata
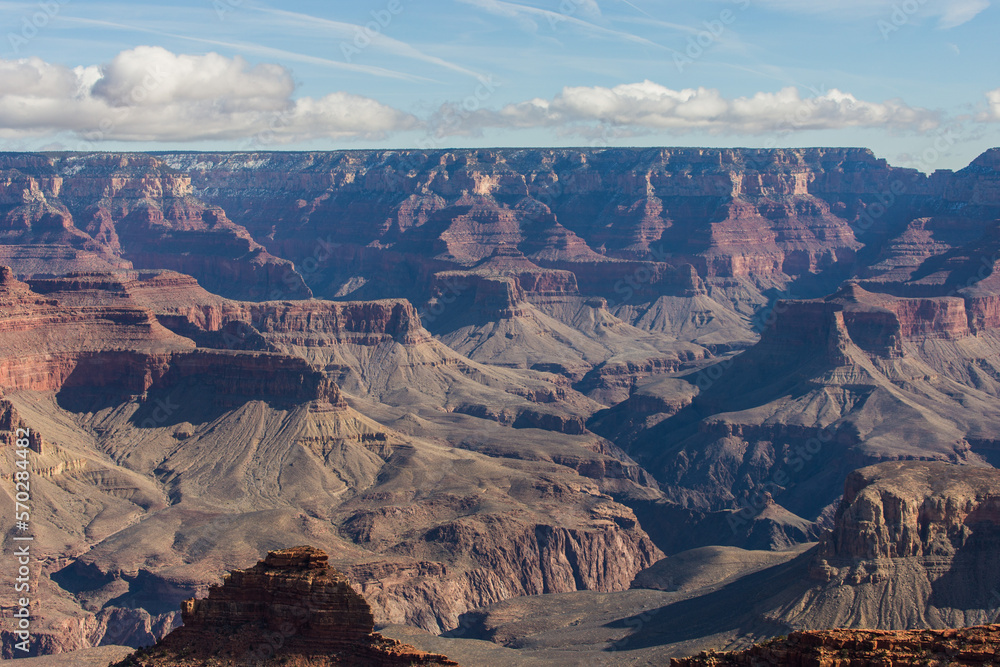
x,y
966,647
289,609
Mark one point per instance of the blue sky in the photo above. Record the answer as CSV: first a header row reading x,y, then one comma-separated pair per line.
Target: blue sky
x,y
915,80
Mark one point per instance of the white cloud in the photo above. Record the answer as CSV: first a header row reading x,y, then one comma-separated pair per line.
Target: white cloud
x,y
950,13
152,76
958,12
569,15
151,94
993,106
648,106
354,38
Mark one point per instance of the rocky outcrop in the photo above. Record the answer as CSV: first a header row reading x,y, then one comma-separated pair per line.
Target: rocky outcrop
x,y
877,323
289,609
508,554
496,287
184,307
966,647
913,545
914,510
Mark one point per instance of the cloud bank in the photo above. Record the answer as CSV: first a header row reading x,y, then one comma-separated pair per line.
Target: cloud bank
x,y
151,94
648,106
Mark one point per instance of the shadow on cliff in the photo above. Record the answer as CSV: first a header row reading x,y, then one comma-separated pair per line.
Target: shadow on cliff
x,y
735,608
163,407
144,590
972,582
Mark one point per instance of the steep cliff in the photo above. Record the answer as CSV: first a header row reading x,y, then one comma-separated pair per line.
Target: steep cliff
x,y
913,545
96,346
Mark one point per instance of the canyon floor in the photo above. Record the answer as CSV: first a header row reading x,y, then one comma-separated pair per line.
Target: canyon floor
x,y
547,406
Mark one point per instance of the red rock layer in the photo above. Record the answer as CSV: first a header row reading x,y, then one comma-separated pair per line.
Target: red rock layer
x,y
132,209
978,645
183,306
726,212
123,348
877,323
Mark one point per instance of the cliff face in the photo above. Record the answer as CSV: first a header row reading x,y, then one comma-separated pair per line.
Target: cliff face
x,y
766,209
512,557
123,349
903,510
740,215
289,609
132,208
913,546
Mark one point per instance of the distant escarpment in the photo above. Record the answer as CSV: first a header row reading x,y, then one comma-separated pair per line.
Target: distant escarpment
x,y
128,210
382,224
725,213
289,609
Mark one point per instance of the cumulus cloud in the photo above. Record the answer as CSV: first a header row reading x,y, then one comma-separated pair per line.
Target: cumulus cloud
x,y
648,106
151,94
992,106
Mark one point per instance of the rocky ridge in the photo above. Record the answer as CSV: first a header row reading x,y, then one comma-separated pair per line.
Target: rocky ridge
x,y
965,647
129,210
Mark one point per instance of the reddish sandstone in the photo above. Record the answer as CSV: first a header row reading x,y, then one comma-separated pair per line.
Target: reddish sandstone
x,y
291,609
846,648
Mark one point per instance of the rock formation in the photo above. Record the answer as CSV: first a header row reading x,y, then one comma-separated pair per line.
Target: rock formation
x,y
913,545
289,609
967,647
122,348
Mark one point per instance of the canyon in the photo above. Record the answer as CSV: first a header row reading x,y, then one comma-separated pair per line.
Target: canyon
x,y
484,380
